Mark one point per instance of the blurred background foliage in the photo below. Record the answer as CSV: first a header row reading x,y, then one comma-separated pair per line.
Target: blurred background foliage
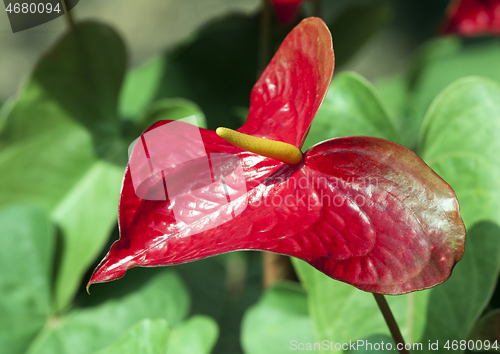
x,y
72,102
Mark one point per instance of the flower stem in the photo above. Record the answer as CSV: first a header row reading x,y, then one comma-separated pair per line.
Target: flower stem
x,y
69,16
265,36
276,267
391,322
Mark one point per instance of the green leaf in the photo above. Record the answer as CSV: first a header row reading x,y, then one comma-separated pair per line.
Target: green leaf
x,y
196,335
375,344
455,305
169,109
394,95
341,313
83,73
87,330
140,88
444,61
355,26
351,107
459,141
146,337
26,248
277,320
216,69
59,143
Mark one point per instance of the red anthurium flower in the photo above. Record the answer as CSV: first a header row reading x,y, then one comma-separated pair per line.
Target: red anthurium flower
x,y
473,17
362,210
287,10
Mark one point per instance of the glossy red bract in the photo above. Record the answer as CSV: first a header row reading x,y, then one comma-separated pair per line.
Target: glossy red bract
x,y
362,210
473,17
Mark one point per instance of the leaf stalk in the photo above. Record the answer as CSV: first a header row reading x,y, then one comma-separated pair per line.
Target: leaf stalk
x,y
391,322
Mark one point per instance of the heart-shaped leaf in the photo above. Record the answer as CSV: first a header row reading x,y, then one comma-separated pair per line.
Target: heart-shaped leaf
x,y
216,69
459,141
442,62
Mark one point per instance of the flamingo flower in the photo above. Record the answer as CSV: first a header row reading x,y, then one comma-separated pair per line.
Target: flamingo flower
x,y
473,17
362,210
287,10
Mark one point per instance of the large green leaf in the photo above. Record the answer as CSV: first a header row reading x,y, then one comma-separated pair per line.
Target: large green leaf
x,y
278,322
373,344
87,330
342,313
83,74
196,335
26,249
146,337
442,62
355,26
351,107
166,109
394,95
455,305
460,142
59,143
216,69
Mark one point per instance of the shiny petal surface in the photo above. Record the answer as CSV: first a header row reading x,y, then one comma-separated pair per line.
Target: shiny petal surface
x,y
411,216
290,91
287,10
473,17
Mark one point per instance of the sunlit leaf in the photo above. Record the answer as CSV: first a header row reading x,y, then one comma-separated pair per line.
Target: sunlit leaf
x,y
27,244
146,337
351,107
459,140
278,322
441,62
60,142
87,330
196,335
